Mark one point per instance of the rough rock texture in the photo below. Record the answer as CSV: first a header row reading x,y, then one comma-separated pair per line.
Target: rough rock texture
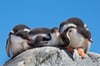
x,y
50,56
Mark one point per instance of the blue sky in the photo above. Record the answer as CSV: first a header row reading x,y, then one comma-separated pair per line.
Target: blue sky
x,y
47,13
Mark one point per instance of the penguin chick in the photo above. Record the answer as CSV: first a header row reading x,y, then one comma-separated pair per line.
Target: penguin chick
x,y
39,36
14,40
50,38
18,43
75,22
79,38
74,31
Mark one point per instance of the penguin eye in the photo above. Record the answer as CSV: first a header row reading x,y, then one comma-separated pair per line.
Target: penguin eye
x,y
70,30
46,39
24,36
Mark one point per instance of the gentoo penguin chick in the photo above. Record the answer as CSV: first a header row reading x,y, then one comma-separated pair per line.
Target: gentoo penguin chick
x,y
17,40
76,34
46,37
79,38
39,36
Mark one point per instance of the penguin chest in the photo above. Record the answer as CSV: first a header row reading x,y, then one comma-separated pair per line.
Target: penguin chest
x,y
18,44
76,40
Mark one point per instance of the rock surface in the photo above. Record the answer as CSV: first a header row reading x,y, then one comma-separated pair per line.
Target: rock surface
x,y
50,56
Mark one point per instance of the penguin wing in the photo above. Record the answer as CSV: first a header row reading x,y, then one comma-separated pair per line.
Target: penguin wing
x,y
65,39
8,44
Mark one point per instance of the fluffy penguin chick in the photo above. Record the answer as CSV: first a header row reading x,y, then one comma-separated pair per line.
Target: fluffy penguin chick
x,y
14,39
47,38
39,36
79,38
76,34
17,43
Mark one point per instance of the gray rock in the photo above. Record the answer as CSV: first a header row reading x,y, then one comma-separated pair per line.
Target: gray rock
x,y
50,56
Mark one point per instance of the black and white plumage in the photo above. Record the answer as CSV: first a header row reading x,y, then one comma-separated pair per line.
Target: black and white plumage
x,y
20,27
72,22
17,40
39,36
56,40
46,37
75,33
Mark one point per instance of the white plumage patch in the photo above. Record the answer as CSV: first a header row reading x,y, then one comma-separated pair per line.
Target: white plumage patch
x,y
66,26
18,44
54,39
26,30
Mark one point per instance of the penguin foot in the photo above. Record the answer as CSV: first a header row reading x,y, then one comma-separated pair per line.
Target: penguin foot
x,y
81,52
71,49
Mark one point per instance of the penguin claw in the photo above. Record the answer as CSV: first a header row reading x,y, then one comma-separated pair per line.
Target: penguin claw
x,y
81,52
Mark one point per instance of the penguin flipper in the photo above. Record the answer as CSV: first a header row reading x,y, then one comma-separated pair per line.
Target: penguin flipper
x,y
8,44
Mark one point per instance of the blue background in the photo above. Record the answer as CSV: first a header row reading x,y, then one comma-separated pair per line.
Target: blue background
x,y
47,13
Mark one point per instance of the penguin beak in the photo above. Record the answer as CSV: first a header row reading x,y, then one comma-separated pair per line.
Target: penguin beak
x,y
91,40
29,40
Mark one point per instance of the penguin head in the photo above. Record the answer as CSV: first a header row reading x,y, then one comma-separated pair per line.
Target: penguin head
x,y
74,21
82,28
19,27
23,35
39,34
86,34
